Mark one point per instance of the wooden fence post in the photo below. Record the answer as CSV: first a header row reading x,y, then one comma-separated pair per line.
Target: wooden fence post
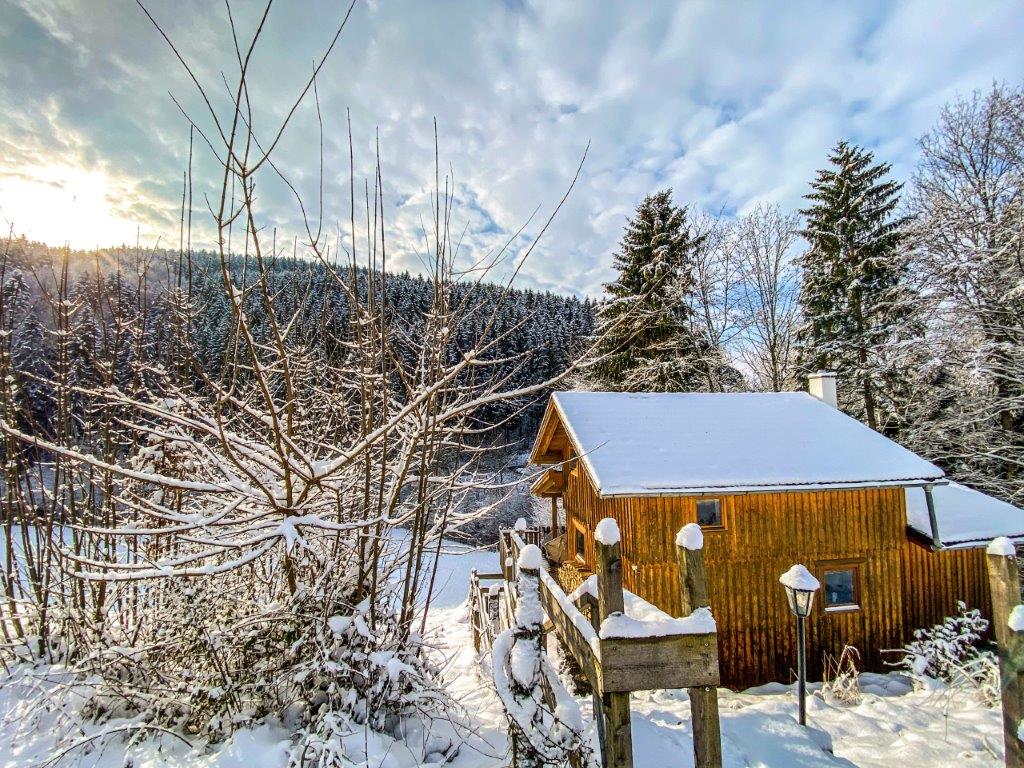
x,y
693,586
1004,582
617,750
474,605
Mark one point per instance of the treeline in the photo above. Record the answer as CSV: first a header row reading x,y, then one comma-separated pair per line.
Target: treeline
x,y
123,329
913,294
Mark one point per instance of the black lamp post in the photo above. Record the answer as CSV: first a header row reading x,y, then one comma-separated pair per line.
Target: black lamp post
x,y
800,588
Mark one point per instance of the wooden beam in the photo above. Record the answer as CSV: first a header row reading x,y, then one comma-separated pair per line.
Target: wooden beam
x,y
618,744
707,732
1005,584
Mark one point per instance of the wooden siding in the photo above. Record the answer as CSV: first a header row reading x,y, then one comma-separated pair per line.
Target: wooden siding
x,y
763,534
935,581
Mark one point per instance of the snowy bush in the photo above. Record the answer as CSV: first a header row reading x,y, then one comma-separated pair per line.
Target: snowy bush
x,y
545,724
949,652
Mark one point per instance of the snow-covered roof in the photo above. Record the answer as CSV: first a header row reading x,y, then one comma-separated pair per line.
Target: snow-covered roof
x,y
966,517
690,443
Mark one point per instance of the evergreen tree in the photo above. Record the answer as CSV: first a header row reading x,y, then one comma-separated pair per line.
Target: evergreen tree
x,y
647,339
858,307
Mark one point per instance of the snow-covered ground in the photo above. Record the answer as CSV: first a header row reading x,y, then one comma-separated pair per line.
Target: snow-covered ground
x,y
892,725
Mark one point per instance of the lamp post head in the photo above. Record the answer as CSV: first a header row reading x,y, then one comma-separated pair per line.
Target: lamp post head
x,y
800,588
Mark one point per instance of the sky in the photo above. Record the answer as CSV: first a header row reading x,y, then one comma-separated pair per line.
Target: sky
x,y
729,103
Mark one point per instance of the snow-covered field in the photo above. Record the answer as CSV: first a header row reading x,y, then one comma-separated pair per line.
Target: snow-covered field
x,y
892,726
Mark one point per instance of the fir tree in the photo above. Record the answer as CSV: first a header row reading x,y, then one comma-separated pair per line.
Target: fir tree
x,y
647,341
858,308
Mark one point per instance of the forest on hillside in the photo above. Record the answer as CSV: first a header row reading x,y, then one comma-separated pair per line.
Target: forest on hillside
x,y
124,324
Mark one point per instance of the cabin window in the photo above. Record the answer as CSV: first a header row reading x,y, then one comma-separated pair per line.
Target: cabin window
x,y
709,513
841,588
579,541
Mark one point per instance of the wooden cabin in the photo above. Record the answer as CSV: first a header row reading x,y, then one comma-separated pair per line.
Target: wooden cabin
x,y
773,479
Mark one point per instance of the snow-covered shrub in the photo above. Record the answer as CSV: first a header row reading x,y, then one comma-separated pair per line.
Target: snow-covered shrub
x,y
362,671
950,652
541,734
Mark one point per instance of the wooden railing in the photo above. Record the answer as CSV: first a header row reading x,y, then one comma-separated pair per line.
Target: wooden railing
x,y
615,665
485,606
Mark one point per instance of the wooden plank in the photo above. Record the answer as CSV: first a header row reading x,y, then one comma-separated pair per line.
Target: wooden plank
x,y
570,635
1005,583
655,663
707,733
617,749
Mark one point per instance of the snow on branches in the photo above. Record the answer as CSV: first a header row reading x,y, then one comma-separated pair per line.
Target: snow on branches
x,y
544,719
949,652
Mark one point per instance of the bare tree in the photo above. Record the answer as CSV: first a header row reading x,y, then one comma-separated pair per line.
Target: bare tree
x,y
768,285
220,545
716,275
968,196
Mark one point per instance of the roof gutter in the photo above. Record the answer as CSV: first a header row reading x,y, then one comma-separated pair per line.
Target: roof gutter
x,y
737,490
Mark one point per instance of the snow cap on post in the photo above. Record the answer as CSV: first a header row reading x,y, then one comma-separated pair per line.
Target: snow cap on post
x,y
520,525
607,532
798,577
1016,620
1001,546
690,537
530,558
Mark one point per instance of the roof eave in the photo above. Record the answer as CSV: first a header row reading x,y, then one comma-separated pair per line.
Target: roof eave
x,y
536,452
776,488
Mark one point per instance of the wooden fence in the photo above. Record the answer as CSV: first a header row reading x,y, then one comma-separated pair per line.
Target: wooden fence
x,y
674,657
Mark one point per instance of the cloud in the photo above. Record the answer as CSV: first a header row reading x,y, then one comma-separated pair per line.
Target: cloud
x,y
730,103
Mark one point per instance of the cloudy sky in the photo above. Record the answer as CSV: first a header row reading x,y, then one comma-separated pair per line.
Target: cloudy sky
x,y
729,103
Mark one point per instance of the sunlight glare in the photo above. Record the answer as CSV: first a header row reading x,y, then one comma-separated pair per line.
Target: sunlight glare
x,y
60,204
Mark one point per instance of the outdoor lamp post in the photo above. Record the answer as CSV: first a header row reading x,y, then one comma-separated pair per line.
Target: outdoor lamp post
x,y
800,588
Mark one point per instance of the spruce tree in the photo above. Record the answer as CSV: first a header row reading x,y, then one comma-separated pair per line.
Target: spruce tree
x,y
647,341
858,306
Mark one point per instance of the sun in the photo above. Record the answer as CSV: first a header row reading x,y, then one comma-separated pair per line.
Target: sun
x,y
63,204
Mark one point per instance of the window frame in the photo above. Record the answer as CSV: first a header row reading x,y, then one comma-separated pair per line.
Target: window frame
x,y
855,566
579,532
720,525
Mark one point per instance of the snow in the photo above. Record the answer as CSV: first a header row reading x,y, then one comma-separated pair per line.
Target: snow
x,y
618,625
338,624
576,618
690,537
643,619
531,558
588,587
966,517
1016,620
798,577
607,532
523,663
894,724
520,524
673,443
1001,546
